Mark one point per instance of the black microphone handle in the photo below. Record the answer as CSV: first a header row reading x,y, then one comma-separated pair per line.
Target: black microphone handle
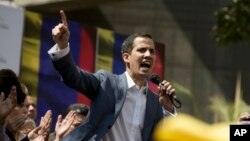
x,y
156,80
177,100
173,97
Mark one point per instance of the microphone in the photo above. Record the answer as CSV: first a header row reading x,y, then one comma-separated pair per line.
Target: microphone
x,y
157,80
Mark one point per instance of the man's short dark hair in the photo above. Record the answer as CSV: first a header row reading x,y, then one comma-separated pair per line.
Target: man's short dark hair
x,y
127,45
8,78
78,108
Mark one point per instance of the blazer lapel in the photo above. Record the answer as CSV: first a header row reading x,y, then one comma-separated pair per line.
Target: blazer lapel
x,y
120,93
151,113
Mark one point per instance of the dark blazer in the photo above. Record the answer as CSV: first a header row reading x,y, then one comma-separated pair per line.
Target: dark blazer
x,y
107,92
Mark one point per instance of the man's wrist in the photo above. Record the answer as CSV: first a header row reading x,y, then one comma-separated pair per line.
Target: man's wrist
x,y
169,108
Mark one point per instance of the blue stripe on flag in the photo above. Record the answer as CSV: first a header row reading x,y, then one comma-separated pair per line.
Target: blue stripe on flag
x,y
118,64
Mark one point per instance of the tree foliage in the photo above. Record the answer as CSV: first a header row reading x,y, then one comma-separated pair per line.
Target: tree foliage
x,y
233,23
226,111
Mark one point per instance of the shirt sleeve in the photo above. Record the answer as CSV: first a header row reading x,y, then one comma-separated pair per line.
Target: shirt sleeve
x,y
56,53
167,113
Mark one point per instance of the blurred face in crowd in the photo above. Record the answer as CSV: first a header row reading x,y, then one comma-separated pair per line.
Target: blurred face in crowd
x,y
31,107
78,119
28,126
81,113
19,109
16,118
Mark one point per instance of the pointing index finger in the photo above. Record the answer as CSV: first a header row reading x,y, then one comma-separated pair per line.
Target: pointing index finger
x,y
64,19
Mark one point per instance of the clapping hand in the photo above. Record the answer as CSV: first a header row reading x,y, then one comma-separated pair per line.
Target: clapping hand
x,y
7,104
41,133
64,126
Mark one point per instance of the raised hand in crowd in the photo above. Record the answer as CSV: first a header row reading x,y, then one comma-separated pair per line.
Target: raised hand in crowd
x,y
64,126
7,104
41,133
24,130
244,118
61,32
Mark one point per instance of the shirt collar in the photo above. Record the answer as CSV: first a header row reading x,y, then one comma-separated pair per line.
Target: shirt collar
x,y
131,82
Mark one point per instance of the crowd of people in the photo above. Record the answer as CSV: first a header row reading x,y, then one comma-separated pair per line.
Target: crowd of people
x,y
18,113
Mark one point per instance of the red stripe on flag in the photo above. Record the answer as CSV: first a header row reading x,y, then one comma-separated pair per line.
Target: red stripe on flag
x,y
160,56
159,64
87,57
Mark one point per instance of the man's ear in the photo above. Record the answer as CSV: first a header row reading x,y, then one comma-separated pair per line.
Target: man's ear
x,y
125,57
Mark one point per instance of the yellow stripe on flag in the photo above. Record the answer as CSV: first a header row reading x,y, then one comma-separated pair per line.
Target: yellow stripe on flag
x,y
31,52
105,51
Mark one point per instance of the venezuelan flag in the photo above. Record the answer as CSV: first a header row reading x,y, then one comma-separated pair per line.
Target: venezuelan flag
x,y
92,49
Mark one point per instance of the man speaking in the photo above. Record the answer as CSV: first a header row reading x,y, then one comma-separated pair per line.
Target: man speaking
x,y
123,107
